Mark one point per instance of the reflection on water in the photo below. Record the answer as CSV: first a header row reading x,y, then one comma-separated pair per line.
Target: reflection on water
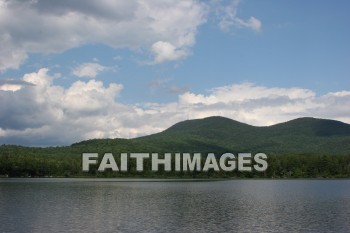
x,y
94,205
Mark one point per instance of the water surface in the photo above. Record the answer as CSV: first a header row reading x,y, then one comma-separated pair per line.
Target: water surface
x,y
124,205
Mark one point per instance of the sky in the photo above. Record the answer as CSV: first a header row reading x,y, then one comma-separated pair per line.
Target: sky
x,y
73,70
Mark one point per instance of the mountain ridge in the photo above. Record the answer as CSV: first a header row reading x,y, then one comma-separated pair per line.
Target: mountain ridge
x,y
300,148
220,134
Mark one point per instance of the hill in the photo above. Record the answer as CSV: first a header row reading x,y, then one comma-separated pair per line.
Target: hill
x,y
300,148
219,134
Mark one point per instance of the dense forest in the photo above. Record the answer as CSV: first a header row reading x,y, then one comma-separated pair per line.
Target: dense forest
x,y
302,148
18,161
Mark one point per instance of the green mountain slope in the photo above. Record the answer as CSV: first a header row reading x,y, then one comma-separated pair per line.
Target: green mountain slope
x,y
304,147
219,134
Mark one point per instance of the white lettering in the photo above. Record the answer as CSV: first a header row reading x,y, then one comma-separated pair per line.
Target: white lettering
x,y
87,160
166,161
139,160
211,162
242,161
187,163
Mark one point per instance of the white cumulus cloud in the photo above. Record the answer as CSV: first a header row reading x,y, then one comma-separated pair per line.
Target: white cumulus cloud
x,y
42,113
88,70
43,26
164,51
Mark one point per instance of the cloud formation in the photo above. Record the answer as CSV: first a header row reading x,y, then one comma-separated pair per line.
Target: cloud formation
x,y
166,29
88,70
228,18
12,84
165,51
38,112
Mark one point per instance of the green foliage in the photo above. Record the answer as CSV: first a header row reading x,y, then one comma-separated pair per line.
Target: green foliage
x,y
301,148
218,134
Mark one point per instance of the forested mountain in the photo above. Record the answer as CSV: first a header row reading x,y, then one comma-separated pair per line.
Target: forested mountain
x,y
304,147
219,134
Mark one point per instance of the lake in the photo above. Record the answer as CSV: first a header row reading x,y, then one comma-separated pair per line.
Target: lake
x,y
132,205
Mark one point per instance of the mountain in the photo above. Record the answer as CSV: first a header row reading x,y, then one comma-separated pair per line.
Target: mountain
x,y
300,148
219,134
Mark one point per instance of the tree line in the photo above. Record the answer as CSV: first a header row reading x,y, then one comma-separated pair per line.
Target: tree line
x,y
17,161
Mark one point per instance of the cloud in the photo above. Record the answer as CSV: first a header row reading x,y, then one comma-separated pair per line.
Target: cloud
x,y
42,113
11,56
165,51
167,29
251,23
12,84
228,18
241,93
88,70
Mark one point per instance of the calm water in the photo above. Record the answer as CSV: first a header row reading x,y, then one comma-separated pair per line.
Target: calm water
x,y
112,205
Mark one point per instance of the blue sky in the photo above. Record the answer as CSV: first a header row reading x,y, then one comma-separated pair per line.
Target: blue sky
x,y
137,67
